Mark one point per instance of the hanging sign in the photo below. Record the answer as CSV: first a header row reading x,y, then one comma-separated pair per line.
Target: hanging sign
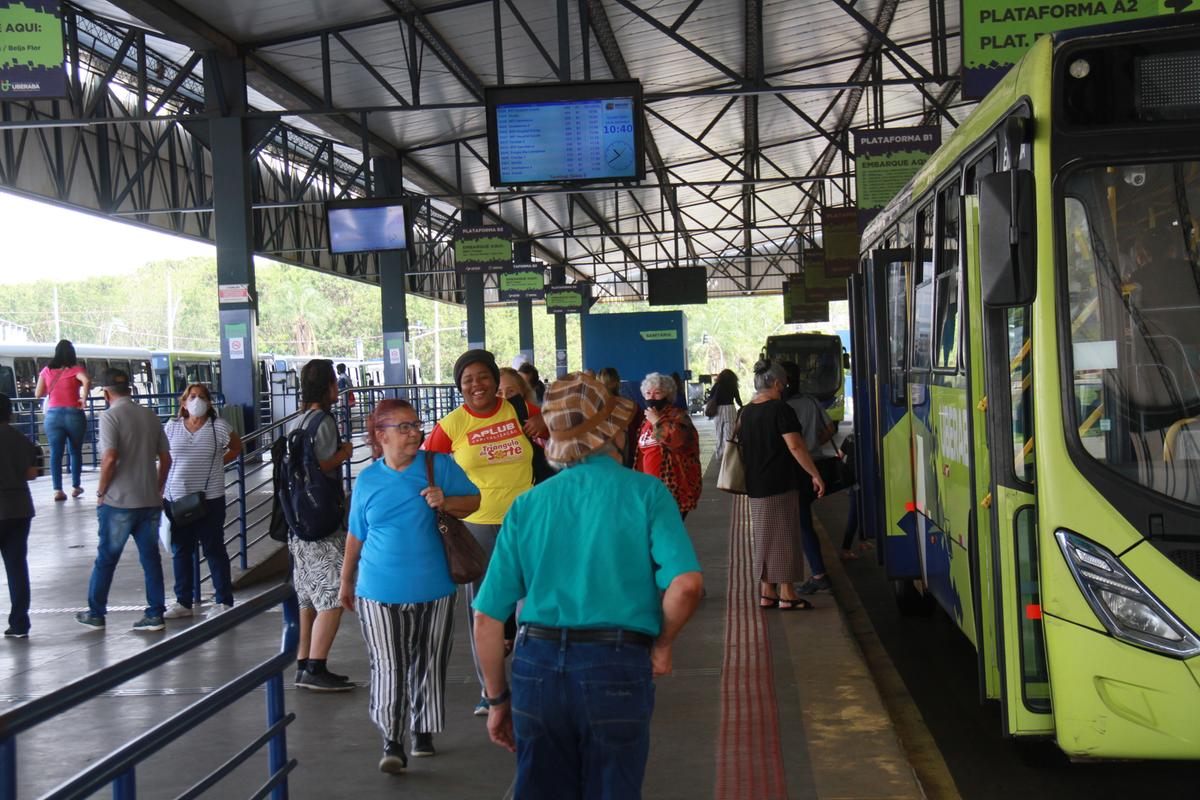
x,y
884,161
996,33
572,299
482,248
31,50
233,293
839,234
523,282
818,286
798,307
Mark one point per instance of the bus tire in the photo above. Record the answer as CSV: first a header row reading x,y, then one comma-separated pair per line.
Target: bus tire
x,y
911,601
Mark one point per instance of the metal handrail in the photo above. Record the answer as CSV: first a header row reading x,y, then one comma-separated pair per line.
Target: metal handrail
x,y
119,767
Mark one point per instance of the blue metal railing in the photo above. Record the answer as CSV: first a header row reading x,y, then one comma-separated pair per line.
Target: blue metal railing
x,y
119,768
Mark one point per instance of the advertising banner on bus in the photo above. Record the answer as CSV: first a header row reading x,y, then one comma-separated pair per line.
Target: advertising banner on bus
x,y
31,50
884,161
996,33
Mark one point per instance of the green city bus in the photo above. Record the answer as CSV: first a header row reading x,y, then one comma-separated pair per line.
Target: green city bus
x,y
821,360
1027,331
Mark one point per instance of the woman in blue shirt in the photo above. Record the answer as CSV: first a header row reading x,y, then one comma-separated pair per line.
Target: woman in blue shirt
x,y
395,577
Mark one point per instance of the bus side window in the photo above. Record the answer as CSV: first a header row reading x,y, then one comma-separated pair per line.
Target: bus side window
x,y
923,295
26,372
947,327
8,381
897,327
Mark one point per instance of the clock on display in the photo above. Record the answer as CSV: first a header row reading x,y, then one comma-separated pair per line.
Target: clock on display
x,y
619,156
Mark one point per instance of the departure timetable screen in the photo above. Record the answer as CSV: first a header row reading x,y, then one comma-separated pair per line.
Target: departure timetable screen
x,y
567,140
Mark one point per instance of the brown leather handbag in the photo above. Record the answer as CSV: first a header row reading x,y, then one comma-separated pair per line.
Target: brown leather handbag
x,y
464,555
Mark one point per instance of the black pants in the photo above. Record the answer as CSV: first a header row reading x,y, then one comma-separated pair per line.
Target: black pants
x,y
14,545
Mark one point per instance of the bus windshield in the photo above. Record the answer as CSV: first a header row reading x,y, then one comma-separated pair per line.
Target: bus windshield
x,y
1133,281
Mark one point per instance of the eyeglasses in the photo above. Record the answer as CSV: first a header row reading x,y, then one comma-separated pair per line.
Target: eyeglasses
x,y
403,427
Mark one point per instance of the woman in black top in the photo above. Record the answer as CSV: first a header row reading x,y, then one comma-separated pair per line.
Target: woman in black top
x,y
19,464
720,407
772,446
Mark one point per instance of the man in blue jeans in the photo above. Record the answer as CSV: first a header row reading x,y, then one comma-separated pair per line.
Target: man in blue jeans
x,y
609,578
128,500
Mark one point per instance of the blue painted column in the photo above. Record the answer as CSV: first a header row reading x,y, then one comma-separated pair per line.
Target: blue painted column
x,y
523,254
388,174
473,285
558,276
230,140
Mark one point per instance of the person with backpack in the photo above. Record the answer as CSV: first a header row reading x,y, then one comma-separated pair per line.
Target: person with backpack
x,y
317,543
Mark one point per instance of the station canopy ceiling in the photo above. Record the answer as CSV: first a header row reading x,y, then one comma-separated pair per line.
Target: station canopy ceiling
x,y
749,104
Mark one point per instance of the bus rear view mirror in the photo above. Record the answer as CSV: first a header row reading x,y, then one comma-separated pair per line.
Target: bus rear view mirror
x,y
1007,238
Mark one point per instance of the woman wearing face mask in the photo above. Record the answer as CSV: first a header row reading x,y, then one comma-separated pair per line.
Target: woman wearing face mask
x,y
668,446
201,445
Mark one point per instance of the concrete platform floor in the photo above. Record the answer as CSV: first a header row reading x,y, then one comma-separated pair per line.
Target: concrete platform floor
x,y
832,737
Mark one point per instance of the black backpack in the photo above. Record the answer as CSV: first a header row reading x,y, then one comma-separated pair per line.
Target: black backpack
x,y
313,503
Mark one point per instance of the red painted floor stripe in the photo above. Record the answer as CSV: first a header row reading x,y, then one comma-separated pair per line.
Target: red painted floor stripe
x,y
749,753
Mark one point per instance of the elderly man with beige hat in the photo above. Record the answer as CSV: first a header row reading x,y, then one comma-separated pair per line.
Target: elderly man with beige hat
x,y
609,578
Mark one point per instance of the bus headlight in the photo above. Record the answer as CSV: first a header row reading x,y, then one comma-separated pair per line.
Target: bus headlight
x,y
1127,609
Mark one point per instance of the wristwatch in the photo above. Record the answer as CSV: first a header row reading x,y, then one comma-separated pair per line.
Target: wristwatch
x,y
499,699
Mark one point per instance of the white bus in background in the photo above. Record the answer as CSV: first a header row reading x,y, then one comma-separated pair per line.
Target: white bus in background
x,y
20,364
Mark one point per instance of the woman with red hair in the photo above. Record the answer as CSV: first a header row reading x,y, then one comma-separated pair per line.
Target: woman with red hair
x,y
395,577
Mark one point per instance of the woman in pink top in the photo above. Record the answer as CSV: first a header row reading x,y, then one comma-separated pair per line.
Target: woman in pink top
x,y
65,384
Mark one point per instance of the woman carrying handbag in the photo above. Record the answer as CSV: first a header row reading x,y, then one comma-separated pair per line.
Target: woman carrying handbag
x,y
194,498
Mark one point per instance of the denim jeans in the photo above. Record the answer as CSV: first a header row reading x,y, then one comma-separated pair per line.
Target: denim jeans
x,y
209,532
116,526
65,426
808,539
14,542
581,714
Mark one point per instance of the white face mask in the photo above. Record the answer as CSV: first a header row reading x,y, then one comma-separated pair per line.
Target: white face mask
x,y
197,406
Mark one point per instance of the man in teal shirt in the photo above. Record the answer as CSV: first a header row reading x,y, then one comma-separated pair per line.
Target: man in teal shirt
x,y
609,578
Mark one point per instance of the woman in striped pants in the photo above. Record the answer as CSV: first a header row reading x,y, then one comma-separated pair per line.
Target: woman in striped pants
x,y
395,578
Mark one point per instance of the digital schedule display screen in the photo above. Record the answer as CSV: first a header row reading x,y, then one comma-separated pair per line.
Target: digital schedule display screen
x,y
565,133
359,226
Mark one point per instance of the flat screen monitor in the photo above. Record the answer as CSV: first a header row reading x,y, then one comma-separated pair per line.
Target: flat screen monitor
x,y
565,133
361,226
677,286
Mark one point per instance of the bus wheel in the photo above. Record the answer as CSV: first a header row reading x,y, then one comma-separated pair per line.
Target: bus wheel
x,y
911,601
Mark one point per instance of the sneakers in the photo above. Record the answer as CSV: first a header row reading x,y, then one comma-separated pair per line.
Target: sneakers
x,y
15,634
394,761
814,585
149,624
178,611
321,682
423,745
86,619
481,708
218,610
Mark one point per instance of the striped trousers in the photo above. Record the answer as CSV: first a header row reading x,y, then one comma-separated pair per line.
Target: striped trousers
x,y
409,647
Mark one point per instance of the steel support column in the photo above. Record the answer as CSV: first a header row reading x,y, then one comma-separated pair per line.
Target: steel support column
x,y
558,276
473,286
523,254
388,173
234,229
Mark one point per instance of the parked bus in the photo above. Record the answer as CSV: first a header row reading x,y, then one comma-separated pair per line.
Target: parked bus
x,y
20,364
822,362
1027,324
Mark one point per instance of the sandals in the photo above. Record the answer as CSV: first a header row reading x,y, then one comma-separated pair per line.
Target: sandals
x,y
60,496
799,604
773,601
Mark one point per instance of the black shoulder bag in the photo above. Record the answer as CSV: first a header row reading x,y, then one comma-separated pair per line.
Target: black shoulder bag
x,y
193,507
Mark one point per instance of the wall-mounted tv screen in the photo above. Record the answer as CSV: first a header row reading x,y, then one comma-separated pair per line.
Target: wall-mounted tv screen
x,y
677,286
359,226
565,133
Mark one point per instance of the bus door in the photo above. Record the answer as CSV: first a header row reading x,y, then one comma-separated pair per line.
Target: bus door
x,y
1011,500
888,304
866,412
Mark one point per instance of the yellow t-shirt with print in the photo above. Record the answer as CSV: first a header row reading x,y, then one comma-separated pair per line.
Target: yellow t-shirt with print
x,y
494,453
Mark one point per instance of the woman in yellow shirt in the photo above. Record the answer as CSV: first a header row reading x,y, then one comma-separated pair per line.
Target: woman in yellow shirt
x,y
485,437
